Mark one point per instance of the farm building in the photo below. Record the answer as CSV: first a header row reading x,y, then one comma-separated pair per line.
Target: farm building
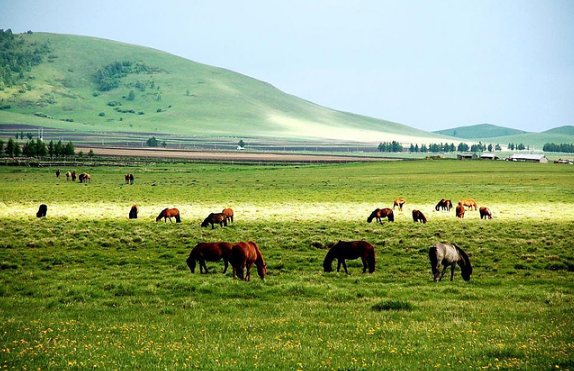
x,y
529,158
489,156
467,156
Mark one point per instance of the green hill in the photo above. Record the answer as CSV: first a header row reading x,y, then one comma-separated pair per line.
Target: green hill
x,y
87,84
568,130
481,131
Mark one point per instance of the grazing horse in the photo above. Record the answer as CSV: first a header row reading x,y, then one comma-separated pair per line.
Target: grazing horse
x,y
129,178
228,214
449,255
468,202
399,202
380,214
58,172
68,175
418,216
209,251
169,213
459,211
485,212
244,255
74,176
85,178
42,211
350,250
215,218
134,212
443,204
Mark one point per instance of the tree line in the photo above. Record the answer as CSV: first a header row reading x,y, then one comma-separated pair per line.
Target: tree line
x,y
438,147
555,147
36,148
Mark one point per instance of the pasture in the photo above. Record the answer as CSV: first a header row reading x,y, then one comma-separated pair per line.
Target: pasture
x,y
86,287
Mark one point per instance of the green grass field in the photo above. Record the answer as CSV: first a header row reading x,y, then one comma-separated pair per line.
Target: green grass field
x,y
87,288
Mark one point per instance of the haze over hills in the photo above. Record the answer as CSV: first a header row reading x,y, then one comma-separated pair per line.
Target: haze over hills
x,y
90,84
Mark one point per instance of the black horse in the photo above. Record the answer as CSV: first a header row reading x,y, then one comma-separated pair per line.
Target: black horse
x,y
350,250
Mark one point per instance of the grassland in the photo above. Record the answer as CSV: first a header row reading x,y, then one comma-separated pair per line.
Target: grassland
x,y
88,288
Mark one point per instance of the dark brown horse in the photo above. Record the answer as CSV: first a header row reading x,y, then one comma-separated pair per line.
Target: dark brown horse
x,y
485,212
215,218
243,256
418,216
169,213
228,214
74,176
459,211
42,211
129,178
134,212
85,178
350,250
380,214
209,251
449,255
58,172
399,202
443,204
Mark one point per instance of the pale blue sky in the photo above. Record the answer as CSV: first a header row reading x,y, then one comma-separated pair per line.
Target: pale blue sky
x,y
428,64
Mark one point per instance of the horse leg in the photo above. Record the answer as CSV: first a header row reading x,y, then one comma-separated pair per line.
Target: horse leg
x,y
443,272
248,274
225,266
345,266
452,271
364,264
339,264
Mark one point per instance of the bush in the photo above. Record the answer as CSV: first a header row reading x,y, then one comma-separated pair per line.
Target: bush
x,y
392,305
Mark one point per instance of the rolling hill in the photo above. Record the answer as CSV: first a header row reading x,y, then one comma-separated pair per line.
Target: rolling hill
x,y
481,131
87,84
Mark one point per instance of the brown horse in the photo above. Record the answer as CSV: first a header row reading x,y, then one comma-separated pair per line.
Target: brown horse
x,y
209,251
449,255
228,214
469,203
485,212
134,212
350,250
58,172
459,211
169,213
380,214
443,204
399,202
129,178
68,175
74,176
85,178
244,255
418,216
215,218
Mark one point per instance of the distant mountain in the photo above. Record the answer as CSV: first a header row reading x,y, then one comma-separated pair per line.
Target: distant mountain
x,y
85,84
478,132
568,130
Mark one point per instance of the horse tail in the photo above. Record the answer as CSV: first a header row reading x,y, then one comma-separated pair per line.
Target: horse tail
x,y
371,260
433,260
177,218
391,216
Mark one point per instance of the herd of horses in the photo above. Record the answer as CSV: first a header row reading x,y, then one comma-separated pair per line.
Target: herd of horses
x,y
82,178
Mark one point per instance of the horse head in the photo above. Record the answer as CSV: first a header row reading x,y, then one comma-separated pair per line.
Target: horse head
x,y
372,216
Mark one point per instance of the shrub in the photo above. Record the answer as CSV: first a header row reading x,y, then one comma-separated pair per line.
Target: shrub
x,y
392,305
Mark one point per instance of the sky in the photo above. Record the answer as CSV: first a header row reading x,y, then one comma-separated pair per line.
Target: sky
x,y
428,64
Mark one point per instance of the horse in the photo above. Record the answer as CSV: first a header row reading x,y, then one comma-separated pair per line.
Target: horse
x,y
449,255
350,250
244,255
68,175
418,216
443,204
42,211
58,172
382,213
134,212
485,212
228,214
399,202
209,251
85,178
74,176
468,202
169,213
129,178
459,211
215,218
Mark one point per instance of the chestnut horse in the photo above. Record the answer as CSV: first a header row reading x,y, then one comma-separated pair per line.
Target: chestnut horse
x,y
169,213
399,202
350,250
459,211
380,214
209,251
485,212
134,212
215,218
443,204
469,203
449,255
244,255
418,216
228,214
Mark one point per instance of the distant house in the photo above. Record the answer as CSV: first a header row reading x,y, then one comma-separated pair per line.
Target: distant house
x,y
467,156
528,158
489,156
239,148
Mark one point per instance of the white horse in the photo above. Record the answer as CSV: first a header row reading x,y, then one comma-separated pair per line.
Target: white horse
x,y
449,255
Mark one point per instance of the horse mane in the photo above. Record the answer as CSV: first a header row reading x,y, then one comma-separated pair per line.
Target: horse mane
x,y
328,262
467,266
162,213
372,216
